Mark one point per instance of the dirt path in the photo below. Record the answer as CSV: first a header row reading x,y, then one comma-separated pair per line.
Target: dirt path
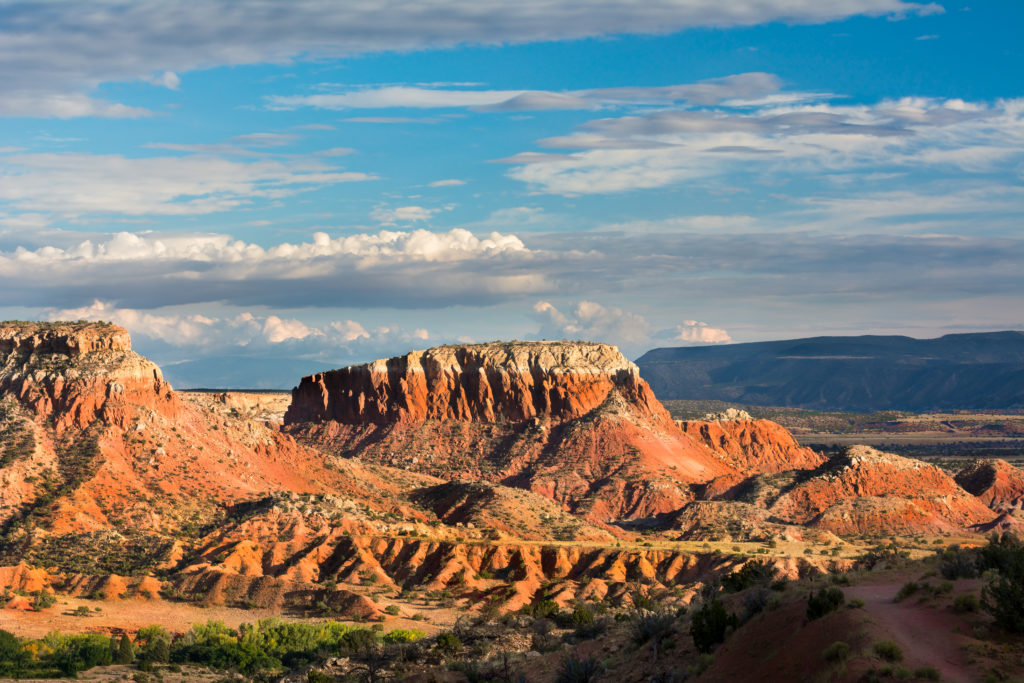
x,y
927,635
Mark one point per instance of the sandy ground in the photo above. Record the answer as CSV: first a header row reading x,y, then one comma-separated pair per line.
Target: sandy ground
x,y
132,614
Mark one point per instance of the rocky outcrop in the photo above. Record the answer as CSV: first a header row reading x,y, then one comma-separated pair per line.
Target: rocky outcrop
x,y
498,382
997,483
509,573
77,373
868,491
571,421
752,446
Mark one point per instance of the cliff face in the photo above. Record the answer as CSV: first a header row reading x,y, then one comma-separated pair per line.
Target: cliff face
x,y
482,382
76,373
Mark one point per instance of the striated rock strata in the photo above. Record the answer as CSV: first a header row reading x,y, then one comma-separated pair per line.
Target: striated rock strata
x,y
572,421
75,374
483,382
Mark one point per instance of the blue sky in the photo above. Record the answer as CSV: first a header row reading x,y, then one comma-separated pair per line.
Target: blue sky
x,y
258,189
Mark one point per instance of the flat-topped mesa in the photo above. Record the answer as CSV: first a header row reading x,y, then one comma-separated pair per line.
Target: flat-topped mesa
x,y
494,382
78,372
69,339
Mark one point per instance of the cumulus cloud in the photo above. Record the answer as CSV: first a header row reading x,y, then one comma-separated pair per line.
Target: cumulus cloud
x,y
72,185
395,268
670,146
696,332
631,331
53,53
591,321
202,335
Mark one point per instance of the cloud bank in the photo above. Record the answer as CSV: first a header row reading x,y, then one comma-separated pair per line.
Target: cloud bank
x,y
54,54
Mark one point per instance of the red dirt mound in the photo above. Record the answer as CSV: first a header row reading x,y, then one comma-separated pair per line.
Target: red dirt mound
x,y
997,483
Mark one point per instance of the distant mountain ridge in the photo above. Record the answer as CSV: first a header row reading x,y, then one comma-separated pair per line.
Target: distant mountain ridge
x,y
862,373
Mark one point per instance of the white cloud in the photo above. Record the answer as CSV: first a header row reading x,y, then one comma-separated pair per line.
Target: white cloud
x,y
62,105
448,182
414,268
402,215
591,321
713,91
695,332
336,152
167,79
667,147
52,51
211,335
82,184
632,332
365,248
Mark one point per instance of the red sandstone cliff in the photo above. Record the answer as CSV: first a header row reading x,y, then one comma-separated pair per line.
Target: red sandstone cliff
x,y
481,382
75,374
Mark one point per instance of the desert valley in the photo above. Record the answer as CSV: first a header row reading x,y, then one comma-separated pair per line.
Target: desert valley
x,y
510,510
525,341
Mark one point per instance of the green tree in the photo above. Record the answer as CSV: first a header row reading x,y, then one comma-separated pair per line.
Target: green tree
x,y
125,651
710,625
13,657
1003,596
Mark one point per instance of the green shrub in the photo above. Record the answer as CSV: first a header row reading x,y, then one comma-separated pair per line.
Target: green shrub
x,y
449,644
581,616
542,610
927,673
13,657
74,653
966,603
710,625
1003,596
393,610
125,651
751,574
837,652
958,564
908,589
824,601
401,635
42,599
888,650
855,603
578,670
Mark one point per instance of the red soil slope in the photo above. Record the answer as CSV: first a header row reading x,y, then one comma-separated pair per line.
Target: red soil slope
x,y
997,483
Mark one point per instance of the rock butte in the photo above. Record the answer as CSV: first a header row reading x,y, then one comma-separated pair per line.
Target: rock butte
x,y
485,382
